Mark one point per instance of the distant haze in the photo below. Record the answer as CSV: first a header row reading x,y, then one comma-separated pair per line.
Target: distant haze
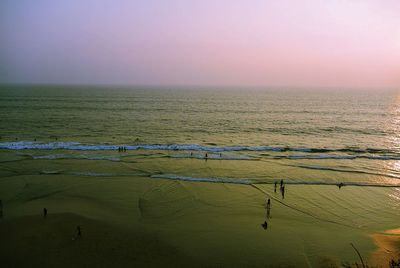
x,y
333,43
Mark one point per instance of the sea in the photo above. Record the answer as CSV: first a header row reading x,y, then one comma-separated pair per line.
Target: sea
x,y
196,165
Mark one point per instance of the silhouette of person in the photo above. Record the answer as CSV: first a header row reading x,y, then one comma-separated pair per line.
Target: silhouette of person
x,y
281,183
283,191
1,209
78,231
275,187
45,212
269,208
265,225
340,185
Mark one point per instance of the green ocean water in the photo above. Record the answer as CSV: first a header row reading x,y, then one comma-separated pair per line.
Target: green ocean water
x,y
199,165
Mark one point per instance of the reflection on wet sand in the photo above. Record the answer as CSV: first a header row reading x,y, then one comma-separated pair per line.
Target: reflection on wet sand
x,y
388,243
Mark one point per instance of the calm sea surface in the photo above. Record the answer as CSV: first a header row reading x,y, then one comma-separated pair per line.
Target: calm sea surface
x,y
187,143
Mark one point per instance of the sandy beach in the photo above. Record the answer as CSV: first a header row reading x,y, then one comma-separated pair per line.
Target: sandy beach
x,y
388,243
33,241
184,192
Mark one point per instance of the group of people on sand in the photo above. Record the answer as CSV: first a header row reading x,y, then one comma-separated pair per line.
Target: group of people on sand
x,y
282,188
268,204
78,228
121,149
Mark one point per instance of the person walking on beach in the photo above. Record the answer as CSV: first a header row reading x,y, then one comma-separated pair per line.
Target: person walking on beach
x,y
78,231
44,213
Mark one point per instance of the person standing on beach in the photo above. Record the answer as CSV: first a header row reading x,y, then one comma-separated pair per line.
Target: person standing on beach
x,y
44,213
275,187
78,231
281,183
283,192
265,225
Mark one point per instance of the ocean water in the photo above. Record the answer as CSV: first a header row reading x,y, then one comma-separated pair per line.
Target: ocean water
x,y
203,161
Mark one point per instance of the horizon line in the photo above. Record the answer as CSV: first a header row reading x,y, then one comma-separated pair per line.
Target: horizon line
x,y
193,86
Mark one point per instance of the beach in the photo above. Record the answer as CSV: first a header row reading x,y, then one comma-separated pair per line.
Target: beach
x,y
191,184
33,241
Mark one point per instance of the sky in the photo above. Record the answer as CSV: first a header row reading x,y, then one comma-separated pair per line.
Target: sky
x,y
295,43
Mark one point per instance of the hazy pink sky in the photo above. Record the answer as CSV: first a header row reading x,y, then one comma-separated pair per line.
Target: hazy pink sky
x,y
335,43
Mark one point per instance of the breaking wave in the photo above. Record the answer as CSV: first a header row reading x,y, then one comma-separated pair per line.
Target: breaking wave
x,y
245,181
77,146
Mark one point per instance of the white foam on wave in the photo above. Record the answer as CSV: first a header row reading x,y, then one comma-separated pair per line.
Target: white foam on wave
x,y
212,180
331,156
83,157
76,146
322,156
214,157
248,181
97,174
30,145
50,172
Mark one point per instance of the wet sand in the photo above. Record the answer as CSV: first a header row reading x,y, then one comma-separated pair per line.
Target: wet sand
x,y
388,243
32,241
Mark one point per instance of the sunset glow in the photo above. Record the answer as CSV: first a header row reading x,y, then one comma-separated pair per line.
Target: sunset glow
x,y
257,43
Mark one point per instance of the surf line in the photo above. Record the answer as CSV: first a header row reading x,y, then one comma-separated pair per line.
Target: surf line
x,y
301,211
249,181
